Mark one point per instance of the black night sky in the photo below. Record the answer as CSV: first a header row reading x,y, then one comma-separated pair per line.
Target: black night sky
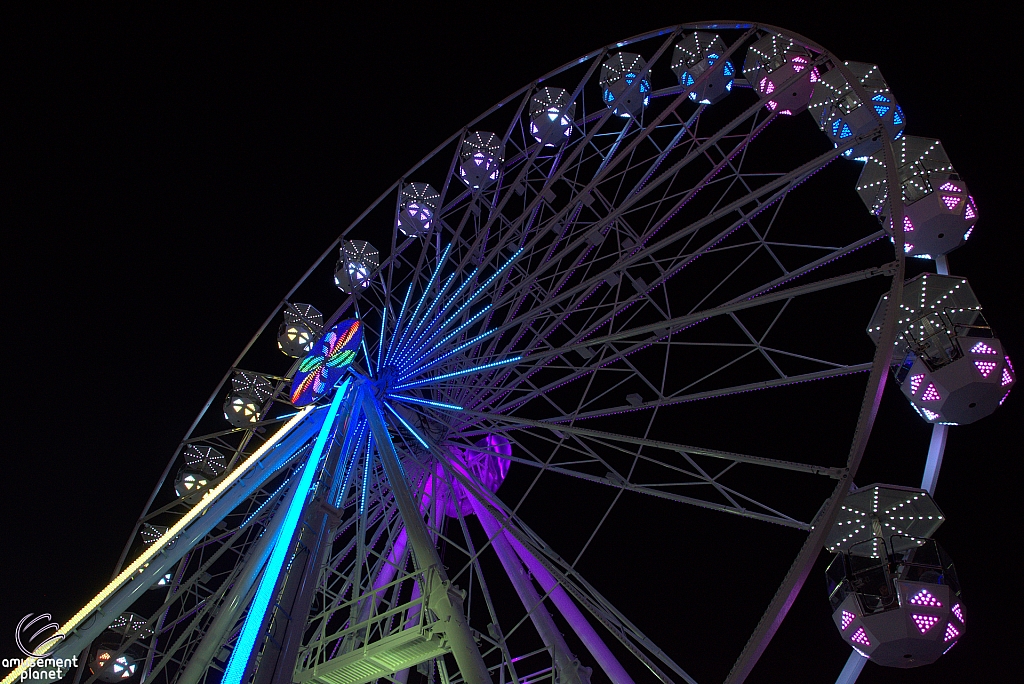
x,y
170,175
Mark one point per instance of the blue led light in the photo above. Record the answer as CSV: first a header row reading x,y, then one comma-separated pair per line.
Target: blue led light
x,y
846,132
380,342
408,427
728,86
367,469
281,550
835,126
897,117
687,78
426,291
882,110
419,369
401,312
353,439
447,304
693,96
475,369
728,71
266,501
608,97
880,98
425,402
472,298
712,58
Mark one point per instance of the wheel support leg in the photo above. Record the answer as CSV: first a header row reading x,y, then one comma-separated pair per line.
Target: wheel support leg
x,y
567,666
443,599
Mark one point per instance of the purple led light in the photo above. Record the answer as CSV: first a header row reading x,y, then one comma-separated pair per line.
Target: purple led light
x,y
930,393
924,622
915,382
1008,363
1004,398
951,632
846,619
985,367
982,348
959,612
949,187
860,637
908,226
925,598
972,210
951,202
1007,378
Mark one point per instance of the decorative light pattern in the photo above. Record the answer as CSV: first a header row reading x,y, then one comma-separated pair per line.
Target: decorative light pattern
x,y
985,367
1007,378
924,598
325,365
930,415
860,637
930,393
121,665
1004,398
959,612
982,348
971,212
949,187
1008,363
915,382
908,226
846,618
951,632
951,202
924,622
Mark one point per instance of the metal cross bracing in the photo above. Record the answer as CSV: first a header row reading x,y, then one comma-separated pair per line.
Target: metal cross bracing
x,y
645,309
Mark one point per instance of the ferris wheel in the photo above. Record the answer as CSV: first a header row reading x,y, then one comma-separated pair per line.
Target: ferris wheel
x,y
583,326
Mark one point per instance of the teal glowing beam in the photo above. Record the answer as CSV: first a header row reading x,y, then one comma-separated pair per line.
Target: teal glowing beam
x,y
282,550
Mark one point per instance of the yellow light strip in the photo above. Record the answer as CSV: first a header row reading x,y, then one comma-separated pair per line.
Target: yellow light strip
x,y
154,549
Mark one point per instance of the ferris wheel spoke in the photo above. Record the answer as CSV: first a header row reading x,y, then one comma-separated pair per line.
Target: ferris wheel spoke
x,y
510,424
590,285
697,478
759,296
554,574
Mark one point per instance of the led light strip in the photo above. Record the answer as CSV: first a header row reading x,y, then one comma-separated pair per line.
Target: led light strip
x,y
408,427
458,373
425,402
254,616
155,549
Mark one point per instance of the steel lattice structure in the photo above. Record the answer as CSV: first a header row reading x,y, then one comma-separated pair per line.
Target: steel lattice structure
x,y
601,312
